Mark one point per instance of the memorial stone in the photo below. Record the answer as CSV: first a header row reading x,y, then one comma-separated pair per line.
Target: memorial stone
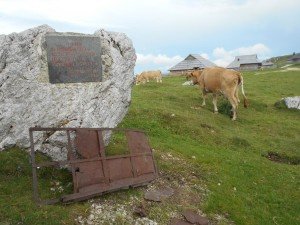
x,y
52,79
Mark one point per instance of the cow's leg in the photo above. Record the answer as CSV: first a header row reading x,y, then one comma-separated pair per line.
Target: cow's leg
x,y
234,103
203,97
237,94
236,97
215,103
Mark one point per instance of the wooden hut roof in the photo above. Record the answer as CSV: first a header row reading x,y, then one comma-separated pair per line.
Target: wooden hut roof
x,y
192,61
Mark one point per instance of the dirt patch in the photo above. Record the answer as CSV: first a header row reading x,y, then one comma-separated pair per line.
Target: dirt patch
x,y
282,158
110,212
179,181
292,69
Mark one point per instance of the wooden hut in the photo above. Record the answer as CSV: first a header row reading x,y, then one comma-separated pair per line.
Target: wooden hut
x,y
191,62
267,64
295,58
245,62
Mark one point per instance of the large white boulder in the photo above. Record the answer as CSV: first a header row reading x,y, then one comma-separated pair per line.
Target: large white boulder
x,y
292,102
27,99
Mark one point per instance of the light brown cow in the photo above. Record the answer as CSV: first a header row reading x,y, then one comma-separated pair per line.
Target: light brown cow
x,y
218,80
147,76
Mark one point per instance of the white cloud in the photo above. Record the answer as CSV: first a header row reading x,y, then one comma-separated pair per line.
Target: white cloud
x,y
158,60
205,55
224,57
158,15
157,25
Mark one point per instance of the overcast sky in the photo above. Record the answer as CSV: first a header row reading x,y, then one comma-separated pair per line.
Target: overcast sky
x,y
164,32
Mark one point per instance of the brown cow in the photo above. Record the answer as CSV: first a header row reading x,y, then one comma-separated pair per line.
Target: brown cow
x,y
218,80
148,75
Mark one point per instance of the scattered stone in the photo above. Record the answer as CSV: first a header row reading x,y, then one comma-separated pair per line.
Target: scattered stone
x,y
195,218
158,195
292,102
108,213
188,83
145,221
140,210
176,221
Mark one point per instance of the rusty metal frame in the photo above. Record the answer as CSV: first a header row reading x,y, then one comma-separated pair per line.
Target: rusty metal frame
x,y
106,184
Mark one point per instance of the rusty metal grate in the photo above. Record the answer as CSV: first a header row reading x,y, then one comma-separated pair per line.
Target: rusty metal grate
x,y
93,172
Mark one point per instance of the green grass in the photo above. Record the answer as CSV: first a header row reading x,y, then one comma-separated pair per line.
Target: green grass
x,y
233,177
231,153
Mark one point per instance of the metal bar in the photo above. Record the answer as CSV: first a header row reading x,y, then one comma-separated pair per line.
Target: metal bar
x,y
34,174
74,129
133,168
71,157
152,155
67,162
113,187
102,155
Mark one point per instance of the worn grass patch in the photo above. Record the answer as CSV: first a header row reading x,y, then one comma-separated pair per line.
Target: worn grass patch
x,y
283,158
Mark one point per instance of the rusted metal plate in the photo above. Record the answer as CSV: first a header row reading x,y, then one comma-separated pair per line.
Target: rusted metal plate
x,y
143,165
87,143
73,58
88,173
117,165
93,172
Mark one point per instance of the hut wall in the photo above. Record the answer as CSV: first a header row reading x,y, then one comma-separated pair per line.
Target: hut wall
x,y
178,72
253,66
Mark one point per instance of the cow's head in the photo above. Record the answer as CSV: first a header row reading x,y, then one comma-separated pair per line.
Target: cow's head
x,y
188,75
194,76
137,80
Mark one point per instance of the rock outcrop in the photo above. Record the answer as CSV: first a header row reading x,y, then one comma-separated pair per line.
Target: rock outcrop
x,y
27,99
292,102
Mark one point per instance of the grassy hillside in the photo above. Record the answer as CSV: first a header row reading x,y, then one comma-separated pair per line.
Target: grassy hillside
x,y
215,165
281,60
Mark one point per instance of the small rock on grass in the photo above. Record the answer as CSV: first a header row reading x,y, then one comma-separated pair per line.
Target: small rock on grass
x,y
195,218
140,210
158,195
176,221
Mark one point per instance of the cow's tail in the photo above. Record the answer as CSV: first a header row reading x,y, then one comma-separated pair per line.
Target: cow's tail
x,y
241,82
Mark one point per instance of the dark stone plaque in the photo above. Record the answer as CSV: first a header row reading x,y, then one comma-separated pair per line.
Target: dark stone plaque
x,y
73,59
